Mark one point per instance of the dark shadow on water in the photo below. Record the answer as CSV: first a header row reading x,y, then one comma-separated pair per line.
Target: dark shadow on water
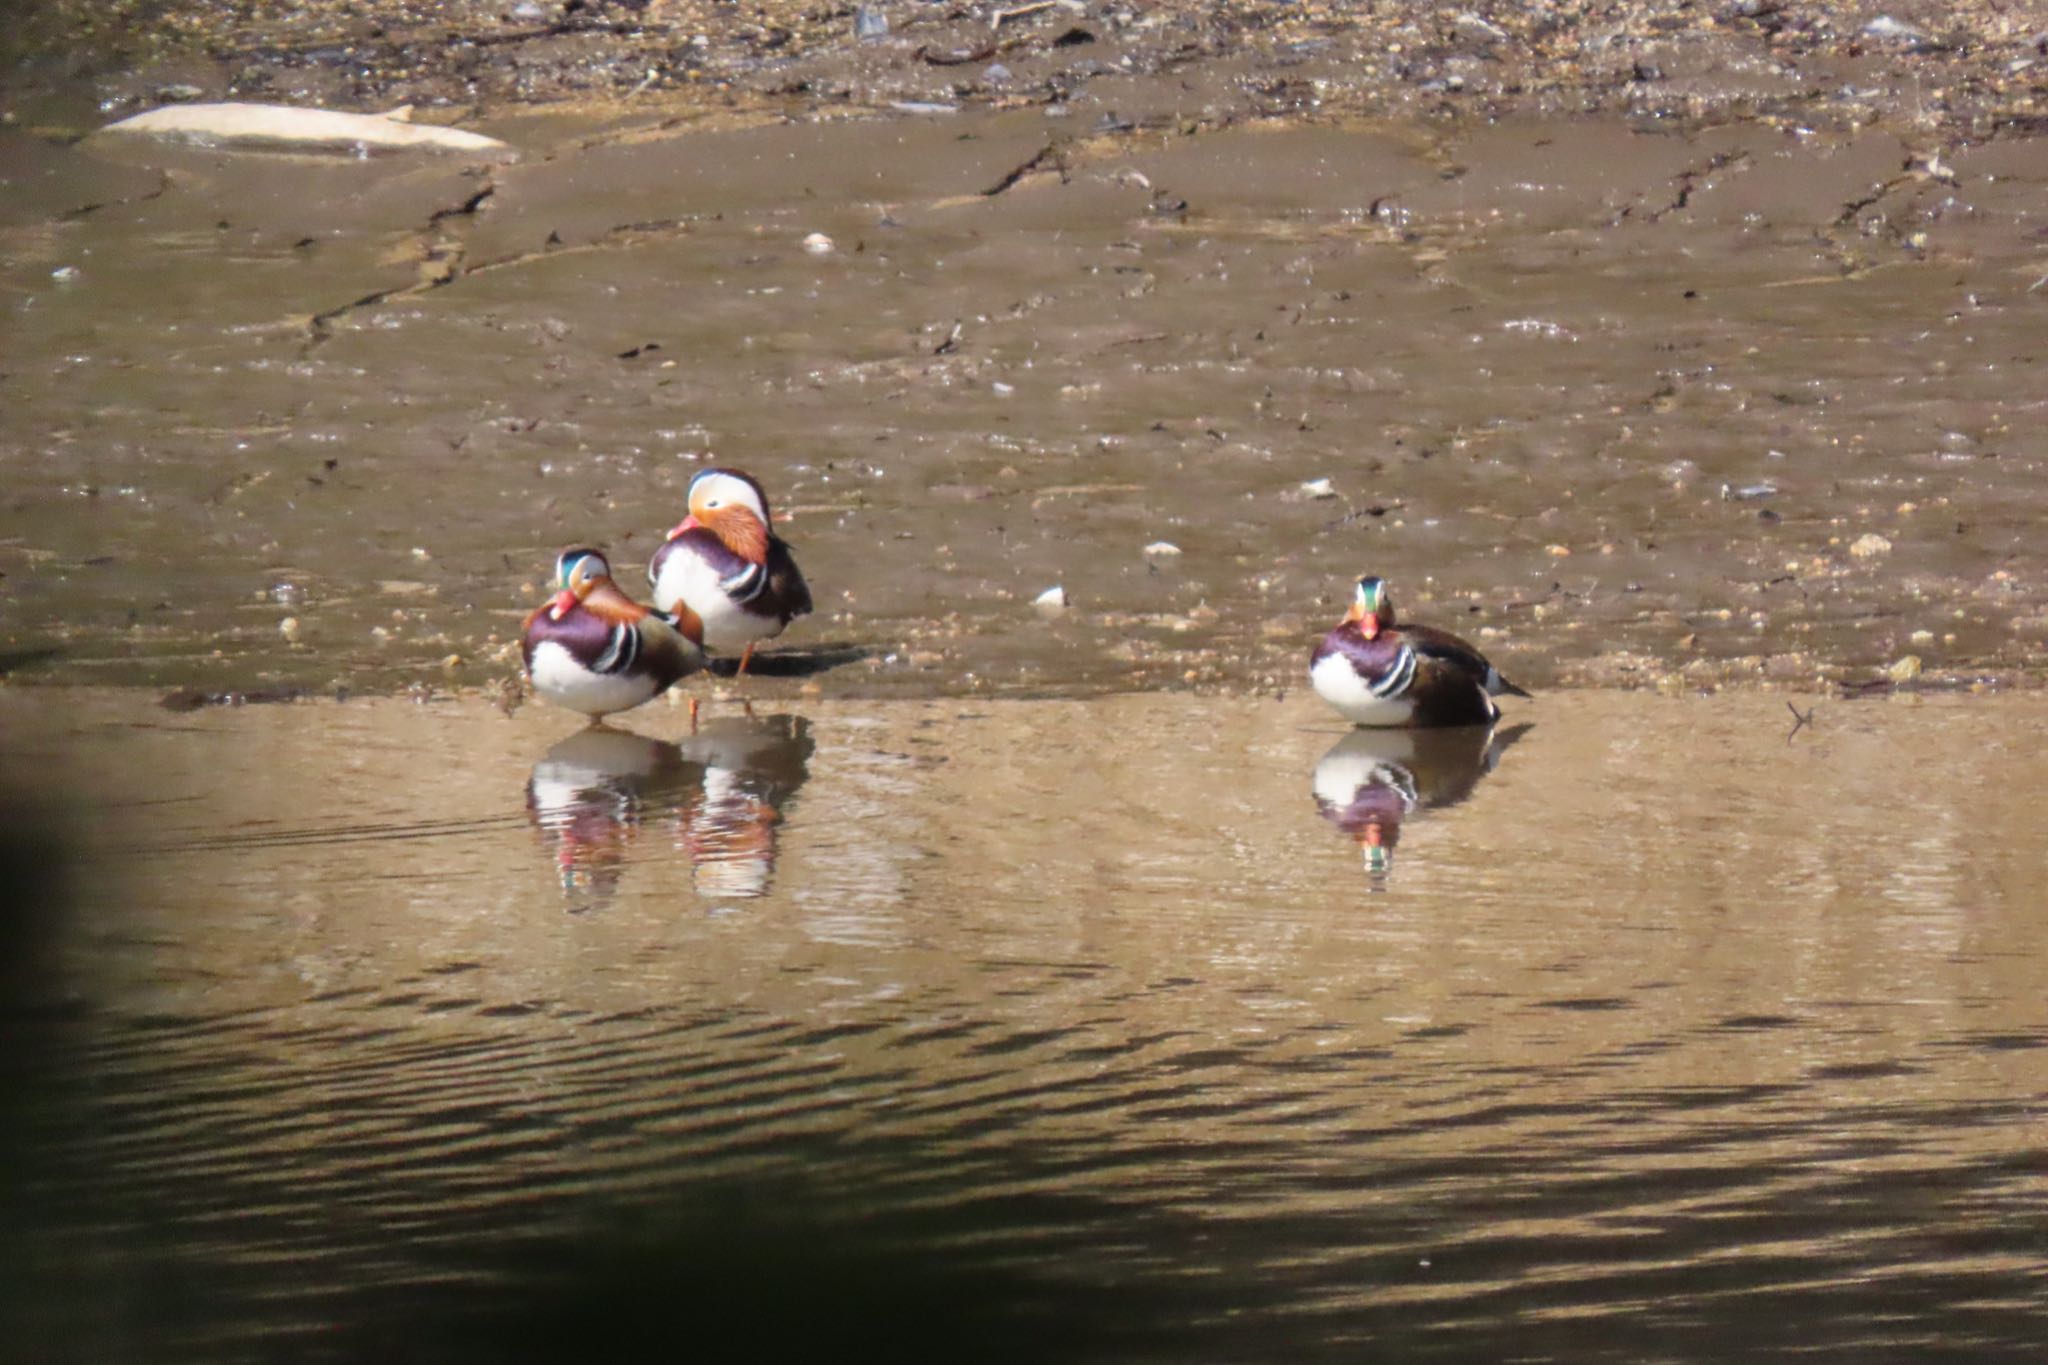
x,y
785,1268
1370,781
14,660
793,663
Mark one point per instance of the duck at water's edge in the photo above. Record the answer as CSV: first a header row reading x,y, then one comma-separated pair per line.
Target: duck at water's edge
x,y
591,648
1376,672
725,563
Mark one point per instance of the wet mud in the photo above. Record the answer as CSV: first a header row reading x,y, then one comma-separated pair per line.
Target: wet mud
x,y
1625,403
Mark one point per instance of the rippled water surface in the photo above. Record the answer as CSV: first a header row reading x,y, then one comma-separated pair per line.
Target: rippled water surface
x,y
1149,1027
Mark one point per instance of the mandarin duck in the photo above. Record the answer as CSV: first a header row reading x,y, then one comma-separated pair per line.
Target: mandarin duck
x,y
1376,672
591,648
724,563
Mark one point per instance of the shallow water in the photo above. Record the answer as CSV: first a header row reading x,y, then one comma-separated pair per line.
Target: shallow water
x,y
1653,1031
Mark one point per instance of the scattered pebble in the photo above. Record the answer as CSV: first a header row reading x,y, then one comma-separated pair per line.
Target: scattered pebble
x,y
290,629
1053,598
1870,546
1162,548
818,244
67,274
1905,670
1885,26
1318,488
1558,551
870,23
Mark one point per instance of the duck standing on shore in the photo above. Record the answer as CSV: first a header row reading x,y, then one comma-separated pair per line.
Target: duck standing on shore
x,y
591,648
724,563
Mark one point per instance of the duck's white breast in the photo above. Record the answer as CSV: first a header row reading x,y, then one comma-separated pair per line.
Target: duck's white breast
x,y
1338,683
558,678
687,578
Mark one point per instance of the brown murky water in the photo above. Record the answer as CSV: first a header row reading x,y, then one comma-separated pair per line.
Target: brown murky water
x,y
1631,404
1638,1032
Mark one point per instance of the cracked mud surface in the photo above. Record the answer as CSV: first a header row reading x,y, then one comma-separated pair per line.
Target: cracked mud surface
x,y
1632,400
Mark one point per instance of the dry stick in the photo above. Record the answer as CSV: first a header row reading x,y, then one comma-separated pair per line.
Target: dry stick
x,y
1004,16
1049,152
1799,722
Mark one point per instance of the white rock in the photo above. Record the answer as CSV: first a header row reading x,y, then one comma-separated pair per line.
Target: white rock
x,y
1053,598
818,244
1318,488
1870,546
279,125
1162,548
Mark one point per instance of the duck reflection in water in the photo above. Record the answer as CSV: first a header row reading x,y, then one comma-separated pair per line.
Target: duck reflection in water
x,y
751,770
719,795
1372,780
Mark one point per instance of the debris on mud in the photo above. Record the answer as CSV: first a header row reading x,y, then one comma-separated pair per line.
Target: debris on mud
x,y
1976,64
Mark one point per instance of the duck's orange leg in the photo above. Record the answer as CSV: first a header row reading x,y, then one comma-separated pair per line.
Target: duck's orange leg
x,y
746,657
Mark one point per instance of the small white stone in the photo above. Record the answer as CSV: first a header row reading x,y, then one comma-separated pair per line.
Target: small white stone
x,y
289,628
818,244
1318,488
1162,548
1053,598
1870,546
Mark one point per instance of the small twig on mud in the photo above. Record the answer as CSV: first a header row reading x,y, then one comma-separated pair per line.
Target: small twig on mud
x,y
163,188
1004,16
467,208
1377,509
1049,152
1555,589
1799,722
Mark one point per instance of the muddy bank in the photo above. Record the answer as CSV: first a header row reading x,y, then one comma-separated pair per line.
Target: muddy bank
x,y
1972,68
1627,405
